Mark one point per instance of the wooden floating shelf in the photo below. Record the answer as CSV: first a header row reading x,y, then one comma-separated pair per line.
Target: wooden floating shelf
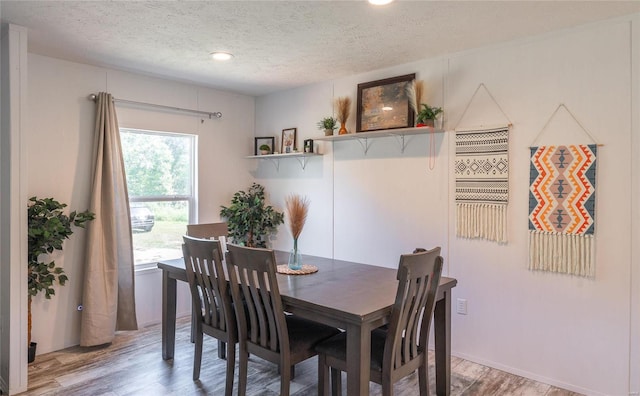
x,y
286,155
398,133
382,133
302,158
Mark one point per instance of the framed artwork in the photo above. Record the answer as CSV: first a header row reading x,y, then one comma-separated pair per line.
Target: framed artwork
x,y
288,140
308,146
263,145
384,104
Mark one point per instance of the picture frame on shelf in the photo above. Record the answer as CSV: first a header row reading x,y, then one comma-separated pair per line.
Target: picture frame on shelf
x,y
259,142
289,140
384,104
308,146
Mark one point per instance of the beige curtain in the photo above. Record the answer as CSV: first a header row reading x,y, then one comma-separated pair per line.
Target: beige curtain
x,y
108,300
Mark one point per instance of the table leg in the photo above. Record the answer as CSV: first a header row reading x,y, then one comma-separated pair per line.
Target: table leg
x,y
222,349
442,332
358,359
168,315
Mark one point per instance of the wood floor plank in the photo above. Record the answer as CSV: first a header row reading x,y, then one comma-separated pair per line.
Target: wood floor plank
x,y
553,391
496,383
132,366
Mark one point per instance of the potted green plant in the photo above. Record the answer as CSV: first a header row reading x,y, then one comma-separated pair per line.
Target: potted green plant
x,y
250,221
328,125
265,149
427,115
48,227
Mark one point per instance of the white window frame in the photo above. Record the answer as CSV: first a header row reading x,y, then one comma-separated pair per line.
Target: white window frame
x,y
191,199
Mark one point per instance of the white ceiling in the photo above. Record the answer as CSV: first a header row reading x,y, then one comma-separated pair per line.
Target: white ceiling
x,y
282,44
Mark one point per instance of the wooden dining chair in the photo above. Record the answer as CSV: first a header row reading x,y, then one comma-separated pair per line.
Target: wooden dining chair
x,y
264,329
208,230
402,348
213,312
218,231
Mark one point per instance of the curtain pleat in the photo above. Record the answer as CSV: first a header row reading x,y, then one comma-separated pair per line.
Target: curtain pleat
x,y
108,300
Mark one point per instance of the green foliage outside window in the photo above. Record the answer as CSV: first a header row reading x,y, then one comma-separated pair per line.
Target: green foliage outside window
x,y
158,165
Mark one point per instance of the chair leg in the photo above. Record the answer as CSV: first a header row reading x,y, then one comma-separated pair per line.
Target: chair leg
x,y
336,382
243,358
194,326
423,380
323,375
285,382
387,388
221,349
231,364
292,370
197,355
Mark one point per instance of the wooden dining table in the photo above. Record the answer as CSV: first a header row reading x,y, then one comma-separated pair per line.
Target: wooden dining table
x,y
354,297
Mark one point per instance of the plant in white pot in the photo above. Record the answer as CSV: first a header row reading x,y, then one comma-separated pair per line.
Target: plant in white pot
x,y
265,149
48,227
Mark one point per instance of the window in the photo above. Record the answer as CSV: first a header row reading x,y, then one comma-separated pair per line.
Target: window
x,y
160,168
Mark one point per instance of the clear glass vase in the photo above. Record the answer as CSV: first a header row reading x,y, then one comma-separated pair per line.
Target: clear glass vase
x,y
295,258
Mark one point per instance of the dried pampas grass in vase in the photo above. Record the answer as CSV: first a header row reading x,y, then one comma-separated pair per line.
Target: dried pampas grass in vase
x,y
344,109
414,94
297,209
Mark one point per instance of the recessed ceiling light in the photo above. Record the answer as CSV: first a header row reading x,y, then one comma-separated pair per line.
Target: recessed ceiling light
x,y
221,56
380,2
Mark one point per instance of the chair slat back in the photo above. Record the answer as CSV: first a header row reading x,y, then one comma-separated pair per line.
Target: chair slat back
x,y
418,278
208,230
207,281
252,274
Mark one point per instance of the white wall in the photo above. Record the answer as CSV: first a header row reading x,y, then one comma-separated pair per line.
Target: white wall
x,y
557,334
60,153
567,331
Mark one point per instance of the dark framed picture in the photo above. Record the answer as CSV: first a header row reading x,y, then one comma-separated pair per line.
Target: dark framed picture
x,y
384,104
289,142
263,145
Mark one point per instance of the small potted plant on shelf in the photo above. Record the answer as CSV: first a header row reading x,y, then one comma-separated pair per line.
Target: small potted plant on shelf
x,y
427,115
265,149
328,125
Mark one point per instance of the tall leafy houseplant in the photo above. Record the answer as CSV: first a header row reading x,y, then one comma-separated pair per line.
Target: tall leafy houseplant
x,y
48,228
250,221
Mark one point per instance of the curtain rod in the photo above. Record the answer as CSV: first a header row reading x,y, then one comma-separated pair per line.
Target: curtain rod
x,y
216,114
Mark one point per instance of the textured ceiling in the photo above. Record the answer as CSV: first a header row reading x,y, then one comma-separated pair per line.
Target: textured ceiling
x,y
279,45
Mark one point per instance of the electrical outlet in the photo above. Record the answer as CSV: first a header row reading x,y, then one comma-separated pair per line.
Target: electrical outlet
x,y
461,306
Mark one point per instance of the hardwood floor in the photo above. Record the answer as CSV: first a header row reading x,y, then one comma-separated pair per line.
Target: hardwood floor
x,y
133,365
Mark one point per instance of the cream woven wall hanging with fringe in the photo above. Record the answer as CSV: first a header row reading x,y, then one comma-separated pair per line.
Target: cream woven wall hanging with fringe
x,y
482,183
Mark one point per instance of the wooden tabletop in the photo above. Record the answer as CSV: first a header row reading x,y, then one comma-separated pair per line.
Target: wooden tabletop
x,y
355,289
